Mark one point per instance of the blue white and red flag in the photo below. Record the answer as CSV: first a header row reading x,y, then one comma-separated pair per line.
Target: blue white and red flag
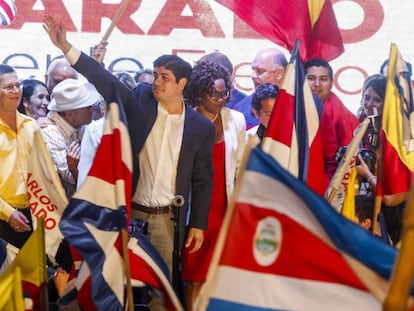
x,y
148,267
7,12
286,248
97,213
293,136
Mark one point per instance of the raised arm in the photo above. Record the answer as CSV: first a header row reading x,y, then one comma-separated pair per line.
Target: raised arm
x,y
101,78
57,33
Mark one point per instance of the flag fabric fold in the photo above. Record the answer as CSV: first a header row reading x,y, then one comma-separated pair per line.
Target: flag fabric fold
x,y
97,213
311,21
293,136
7,254
11,297
397,126
7,12
31,260
47,197
338,186
348,209
147,266
294,252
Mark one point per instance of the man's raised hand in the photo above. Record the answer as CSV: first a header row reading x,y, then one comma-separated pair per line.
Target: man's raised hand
x,y
57,33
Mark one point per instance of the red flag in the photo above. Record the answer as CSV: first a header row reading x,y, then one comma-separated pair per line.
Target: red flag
x,y
311,21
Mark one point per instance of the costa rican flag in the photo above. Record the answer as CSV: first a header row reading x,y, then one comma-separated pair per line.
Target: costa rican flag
x,y
97,213
147,266
293,136
7,11
283,247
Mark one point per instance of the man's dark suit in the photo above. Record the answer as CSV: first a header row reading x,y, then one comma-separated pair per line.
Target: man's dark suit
x,y
194,171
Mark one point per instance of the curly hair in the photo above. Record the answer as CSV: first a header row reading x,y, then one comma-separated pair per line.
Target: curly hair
x,y
202,80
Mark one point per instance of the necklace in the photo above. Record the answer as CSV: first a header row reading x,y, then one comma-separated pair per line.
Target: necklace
x,y
211,120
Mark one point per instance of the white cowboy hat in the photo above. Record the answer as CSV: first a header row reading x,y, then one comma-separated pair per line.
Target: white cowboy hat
x,y
71,94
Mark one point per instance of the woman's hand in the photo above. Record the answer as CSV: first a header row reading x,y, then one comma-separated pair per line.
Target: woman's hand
x,y
197,236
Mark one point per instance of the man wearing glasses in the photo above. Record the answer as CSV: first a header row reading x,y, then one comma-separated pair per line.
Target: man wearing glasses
x,y
16,139
268,66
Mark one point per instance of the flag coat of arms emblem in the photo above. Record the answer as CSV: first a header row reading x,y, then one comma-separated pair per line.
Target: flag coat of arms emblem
x,y
293,251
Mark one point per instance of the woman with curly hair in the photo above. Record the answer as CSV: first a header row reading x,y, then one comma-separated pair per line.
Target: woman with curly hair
x,y
208,91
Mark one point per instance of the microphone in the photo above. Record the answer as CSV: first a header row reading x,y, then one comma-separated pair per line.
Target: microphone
x,y
375,128
178,201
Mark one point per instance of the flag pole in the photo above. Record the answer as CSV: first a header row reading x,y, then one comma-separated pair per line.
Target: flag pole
x,y
44,296
115,21
127,270
202,301
403,272
347,161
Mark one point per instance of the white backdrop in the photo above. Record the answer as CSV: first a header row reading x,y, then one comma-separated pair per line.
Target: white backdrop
x,y
191,28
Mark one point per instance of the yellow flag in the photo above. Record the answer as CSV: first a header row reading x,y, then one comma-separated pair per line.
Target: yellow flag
x,y
348,210
31,258
11,298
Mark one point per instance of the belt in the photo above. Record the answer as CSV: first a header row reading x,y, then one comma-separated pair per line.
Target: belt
x,y
157,210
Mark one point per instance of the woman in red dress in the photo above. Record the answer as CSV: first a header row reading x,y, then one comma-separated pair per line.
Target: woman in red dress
x,y
208,90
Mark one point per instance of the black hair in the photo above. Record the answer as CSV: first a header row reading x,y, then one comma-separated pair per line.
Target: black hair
x,y
6,69
378,83
179,67
219,58
142,72
318,62
126,79
262,92
364,207
202,81
28,87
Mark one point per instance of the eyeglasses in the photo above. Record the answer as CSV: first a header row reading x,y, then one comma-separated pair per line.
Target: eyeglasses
x,y
216,95
11,87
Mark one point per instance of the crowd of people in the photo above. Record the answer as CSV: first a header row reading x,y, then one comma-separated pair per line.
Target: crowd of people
x,y
188,126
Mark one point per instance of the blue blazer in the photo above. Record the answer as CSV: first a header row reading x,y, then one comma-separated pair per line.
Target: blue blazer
x,y
194,171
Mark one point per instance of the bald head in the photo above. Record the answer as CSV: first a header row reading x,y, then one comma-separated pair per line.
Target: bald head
x,y
59,70
268,67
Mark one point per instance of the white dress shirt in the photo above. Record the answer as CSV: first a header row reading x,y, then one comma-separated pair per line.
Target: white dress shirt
x,y
158,160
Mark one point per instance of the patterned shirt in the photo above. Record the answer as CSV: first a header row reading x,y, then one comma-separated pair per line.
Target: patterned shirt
x,y
58,137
